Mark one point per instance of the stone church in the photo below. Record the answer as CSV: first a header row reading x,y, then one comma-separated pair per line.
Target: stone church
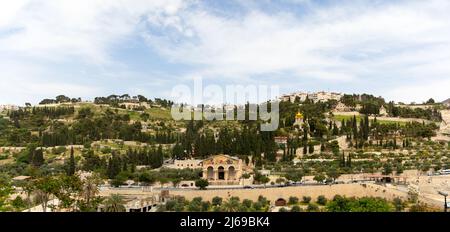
x,y
222,170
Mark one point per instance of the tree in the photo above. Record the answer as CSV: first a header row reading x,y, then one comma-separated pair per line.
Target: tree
x,y
322,200
296,208
18,203
387,169
319,177
67,191
5,191
398,204
115,203
176,182
163,181
365,204
294,175
333,173
232,204
201,184
312,207
71,166
37,158
293,200
147,178
399,169
306,199
280,181
89,191
195,205
44,188
217,201
311,148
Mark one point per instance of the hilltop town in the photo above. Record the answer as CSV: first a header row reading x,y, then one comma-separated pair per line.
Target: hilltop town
x,y
126,153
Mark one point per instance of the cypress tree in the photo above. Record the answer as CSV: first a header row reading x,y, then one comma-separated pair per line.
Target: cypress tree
x,y
311,148
343,160
71,168
38,158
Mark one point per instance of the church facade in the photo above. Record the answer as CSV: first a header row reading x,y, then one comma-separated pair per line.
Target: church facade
x,y
222,170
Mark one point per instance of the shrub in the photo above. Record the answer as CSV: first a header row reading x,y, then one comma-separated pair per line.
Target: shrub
x,y
312,207
306,199
296,208
217,201
293,200
322,200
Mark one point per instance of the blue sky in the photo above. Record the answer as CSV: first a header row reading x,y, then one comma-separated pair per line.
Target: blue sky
x,y
87,48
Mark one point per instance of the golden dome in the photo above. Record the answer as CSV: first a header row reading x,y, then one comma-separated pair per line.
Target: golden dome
x,y
299,115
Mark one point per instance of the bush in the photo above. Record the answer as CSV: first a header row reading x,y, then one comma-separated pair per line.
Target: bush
x,y
257,206
283,210
321,200
296,208
170,205
202,184
306,199
247,203
216,201
312,207
293,200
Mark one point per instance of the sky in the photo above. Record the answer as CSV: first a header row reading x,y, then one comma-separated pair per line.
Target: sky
x,y
396,49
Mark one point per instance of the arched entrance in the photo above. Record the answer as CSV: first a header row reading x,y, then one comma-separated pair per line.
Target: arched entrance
x,y
231,173
210,173
221,173
280,202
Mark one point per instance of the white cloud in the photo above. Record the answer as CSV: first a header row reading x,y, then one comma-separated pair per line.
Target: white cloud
x,y
17,87
61,29
388,46
421,92
407,39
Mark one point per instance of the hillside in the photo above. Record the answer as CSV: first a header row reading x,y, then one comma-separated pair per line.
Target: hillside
x,y
446,102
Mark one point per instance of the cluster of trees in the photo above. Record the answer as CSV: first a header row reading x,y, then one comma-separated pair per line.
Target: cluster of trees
x,y
121,167
369,104
217,204
73,193
48,112
384,134
248,140
432,114
111,125
60,99
352,204
114,100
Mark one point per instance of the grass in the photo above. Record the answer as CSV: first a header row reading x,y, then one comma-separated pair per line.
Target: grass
x,y
159,113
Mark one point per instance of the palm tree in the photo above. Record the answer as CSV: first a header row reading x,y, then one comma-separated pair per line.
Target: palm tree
x,y
232,205
90,188
115,203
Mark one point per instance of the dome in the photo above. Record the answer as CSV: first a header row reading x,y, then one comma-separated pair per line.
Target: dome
x,y
299,115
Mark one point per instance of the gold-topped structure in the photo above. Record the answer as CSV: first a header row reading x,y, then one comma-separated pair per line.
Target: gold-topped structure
x,y
299,119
